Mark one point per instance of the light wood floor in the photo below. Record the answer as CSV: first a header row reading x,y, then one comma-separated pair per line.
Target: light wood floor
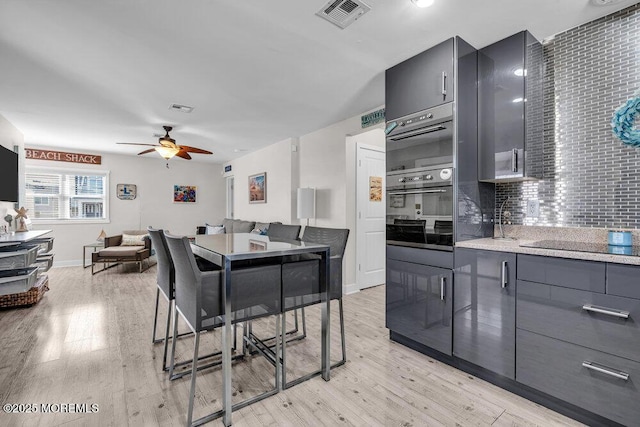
x,y
89,341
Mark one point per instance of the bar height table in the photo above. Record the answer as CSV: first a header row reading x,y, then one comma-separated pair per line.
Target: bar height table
x,y
223,250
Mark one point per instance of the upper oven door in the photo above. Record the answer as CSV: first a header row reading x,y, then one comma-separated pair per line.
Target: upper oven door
x,y
421,140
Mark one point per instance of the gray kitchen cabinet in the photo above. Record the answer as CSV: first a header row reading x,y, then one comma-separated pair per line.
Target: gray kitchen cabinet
x,y
599,382
606,323
485,309
421,82
510,109
622,280
419,302
577,335
568,273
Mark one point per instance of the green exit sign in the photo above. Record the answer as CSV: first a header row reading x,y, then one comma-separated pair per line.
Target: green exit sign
x,y
372,118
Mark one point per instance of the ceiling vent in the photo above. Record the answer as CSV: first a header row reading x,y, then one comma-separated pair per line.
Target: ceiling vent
x,y
605,2
343,12
183,108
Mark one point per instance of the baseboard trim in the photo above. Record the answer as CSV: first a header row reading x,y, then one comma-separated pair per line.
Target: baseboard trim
x,y
351,288
67,263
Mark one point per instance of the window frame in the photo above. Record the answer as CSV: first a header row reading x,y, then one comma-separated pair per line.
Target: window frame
x,y
31,169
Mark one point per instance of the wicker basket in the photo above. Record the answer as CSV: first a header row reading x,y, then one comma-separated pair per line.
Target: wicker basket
x,y
28,298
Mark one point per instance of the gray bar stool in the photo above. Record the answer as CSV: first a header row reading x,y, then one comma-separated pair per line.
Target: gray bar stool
x,y
301,284
165,280
199,300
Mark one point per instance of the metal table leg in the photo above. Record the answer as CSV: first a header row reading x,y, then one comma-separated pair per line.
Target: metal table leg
x,y
326,312
226,343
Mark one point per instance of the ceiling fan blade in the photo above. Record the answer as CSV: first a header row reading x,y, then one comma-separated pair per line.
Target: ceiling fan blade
x,y
183,154
194,150
147,151
136,143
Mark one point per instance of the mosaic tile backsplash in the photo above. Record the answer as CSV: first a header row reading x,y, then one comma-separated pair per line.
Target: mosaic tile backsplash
x,y
590,178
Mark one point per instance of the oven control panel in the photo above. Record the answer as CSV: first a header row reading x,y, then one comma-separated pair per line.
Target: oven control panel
x,y
419,178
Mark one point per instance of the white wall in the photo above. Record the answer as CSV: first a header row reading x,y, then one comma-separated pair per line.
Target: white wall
x,y
9,137
327,163
153,205
320,161
276,160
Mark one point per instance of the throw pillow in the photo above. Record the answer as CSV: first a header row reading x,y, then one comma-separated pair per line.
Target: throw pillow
x,y
215,229
264,226
228,224
261,231
243,226
133,239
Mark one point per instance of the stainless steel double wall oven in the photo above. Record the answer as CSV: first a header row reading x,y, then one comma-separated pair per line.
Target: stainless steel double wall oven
x,y
420,177
433,195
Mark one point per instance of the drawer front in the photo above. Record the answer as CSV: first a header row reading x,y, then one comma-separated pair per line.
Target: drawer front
x,y
556,367
623,280
442,259
586,318
569,273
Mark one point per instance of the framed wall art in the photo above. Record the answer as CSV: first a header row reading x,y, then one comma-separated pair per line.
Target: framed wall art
x,y
184,194
126,191
258,188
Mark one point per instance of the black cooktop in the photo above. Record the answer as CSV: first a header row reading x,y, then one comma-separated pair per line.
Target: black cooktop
x,y
599,248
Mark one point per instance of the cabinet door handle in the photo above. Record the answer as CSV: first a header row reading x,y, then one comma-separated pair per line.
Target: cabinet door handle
x,y
444,83
514,160
442,287
608,311
504,276
604,370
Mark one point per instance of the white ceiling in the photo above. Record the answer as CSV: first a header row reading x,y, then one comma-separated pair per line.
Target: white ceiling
x,y
84,75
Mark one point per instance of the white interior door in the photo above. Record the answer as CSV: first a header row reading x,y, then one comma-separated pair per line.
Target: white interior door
x,y
371,214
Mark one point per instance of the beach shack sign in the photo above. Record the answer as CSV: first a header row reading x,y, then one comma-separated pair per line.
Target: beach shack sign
x,y
62,156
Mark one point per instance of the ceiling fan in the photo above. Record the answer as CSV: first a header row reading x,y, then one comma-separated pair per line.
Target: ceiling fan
x,y
168,148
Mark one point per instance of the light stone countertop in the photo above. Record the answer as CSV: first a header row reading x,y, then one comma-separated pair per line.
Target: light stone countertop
x,y
513,246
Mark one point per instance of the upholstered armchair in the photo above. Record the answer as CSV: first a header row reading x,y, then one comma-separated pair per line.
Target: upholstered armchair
x,y
130,246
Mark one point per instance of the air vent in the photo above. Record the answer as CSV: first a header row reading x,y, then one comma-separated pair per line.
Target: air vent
x,y
343,13
183,108
605,2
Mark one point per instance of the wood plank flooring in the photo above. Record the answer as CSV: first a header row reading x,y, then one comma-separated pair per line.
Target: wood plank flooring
x,y
89,341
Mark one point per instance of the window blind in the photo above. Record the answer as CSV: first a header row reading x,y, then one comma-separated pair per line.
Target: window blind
x,y
66,194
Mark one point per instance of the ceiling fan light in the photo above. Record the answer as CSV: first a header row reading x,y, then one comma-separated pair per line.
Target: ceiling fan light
x,y
422,3
167,152
166,141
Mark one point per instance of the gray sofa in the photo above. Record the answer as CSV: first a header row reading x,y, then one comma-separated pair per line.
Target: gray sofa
x,y
237,226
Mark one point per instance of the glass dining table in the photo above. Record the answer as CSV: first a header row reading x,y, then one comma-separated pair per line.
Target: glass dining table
x,y
225,249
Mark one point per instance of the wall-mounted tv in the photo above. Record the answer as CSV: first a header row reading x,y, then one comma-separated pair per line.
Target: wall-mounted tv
x,y
9,175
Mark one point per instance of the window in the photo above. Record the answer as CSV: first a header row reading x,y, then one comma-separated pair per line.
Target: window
x,y
61,195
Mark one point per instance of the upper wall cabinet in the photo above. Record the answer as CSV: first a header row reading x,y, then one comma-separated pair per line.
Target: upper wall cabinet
x,y
510,110
421,82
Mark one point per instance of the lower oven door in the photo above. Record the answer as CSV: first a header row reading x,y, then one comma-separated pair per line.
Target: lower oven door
x,y
421,217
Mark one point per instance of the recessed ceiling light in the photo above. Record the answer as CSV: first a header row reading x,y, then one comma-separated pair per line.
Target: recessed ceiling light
x,y
520,72
519,100
422,3
180,107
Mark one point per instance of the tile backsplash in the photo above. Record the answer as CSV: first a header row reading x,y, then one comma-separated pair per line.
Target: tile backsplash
x,y
590,178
